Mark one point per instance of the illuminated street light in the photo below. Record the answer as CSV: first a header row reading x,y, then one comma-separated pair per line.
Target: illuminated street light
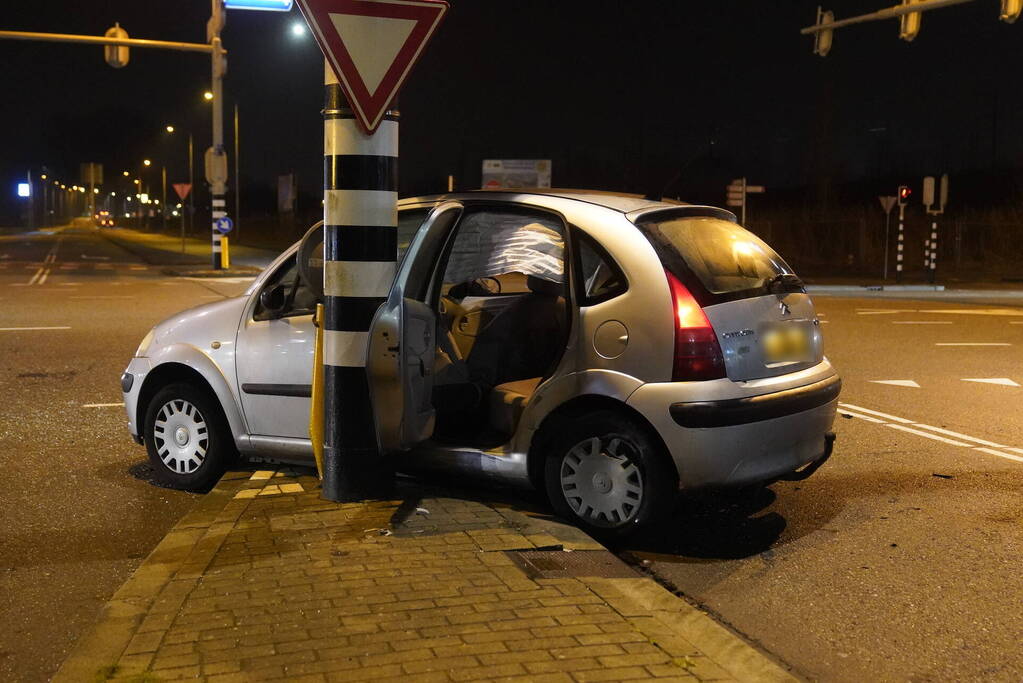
x,y
124,173
95,190
43,176
170,129
146,162
207,95
298,29
136,181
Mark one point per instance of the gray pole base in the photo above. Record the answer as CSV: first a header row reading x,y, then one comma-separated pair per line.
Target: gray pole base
x,y
354,475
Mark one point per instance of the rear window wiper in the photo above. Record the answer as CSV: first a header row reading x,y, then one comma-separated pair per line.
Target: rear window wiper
x,y
784,283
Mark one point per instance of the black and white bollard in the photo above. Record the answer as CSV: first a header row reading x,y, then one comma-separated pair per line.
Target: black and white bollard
x,y
899,248
360,235
219,206
933,251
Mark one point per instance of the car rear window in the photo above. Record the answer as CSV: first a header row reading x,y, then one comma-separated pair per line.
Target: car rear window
x,y
723,256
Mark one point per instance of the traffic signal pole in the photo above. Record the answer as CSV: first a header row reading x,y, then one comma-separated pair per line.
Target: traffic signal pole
x,y
898,254
360,234
217,170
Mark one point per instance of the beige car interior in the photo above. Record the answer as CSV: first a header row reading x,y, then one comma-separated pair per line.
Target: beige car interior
x,y
500,336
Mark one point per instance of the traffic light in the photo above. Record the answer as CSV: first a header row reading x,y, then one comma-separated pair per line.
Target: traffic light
x,y
822,39
903,195
1011,10
909,24
116,55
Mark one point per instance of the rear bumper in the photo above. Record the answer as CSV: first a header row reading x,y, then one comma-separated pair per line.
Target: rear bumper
x,y
753,439
738,411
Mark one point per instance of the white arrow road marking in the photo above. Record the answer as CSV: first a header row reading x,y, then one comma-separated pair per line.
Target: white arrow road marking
x,y
1003,381
897,382
904,425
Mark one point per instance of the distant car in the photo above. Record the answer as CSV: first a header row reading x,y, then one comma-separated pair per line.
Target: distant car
x,y
104,219
606,349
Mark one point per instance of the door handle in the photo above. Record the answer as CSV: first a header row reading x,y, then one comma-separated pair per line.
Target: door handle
x,y
395,348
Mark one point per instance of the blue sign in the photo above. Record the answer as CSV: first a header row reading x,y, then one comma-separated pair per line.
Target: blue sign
x,y
24,190
270,5
223,225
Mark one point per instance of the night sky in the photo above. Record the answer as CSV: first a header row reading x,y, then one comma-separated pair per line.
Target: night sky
x,y
620,95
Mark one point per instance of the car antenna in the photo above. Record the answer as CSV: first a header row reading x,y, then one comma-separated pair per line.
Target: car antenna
x,y
658,196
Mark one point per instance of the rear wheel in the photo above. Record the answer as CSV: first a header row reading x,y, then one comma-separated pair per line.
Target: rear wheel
x,y
187,438
607,474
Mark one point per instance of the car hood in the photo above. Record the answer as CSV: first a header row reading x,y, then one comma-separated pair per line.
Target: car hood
x,y
200,325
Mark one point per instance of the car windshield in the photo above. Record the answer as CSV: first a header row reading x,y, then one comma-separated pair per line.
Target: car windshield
x,y
725,257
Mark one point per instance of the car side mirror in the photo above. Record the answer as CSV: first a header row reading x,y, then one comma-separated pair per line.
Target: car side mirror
x,y
273,300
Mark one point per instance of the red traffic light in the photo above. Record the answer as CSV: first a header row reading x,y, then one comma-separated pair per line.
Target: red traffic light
x,y
904,192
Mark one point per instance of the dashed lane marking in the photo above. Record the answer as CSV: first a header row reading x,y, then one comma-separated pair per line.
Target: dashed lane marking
x,y
1001,381
930,432
973,344
921,322
103,405
27,329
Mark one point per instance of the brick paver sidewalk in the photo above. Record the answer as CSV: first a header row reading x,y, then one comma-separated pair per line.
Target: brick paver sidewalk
x,y
266,581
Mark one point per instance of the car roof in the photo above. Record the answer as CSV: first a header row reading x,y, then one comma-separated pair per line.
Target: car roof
x,y
617,201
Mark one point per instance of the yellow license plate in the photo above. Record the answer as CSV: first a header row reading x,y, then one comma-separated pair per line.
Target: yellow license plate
x,y
786,343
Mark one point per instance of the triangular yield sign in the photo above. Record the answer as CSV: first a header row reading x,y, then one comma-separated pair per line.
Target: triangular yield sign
x,y
372,45
897,382
182,189
1004,381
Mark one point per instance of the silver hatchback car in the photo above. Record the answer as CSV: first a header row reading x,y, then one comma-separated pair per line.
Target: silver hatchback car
x,y
607,349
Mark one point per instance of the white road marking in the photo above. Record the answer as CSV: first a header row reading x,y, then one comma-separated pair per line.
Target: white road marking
x,y
932,433
46,274
921,322
95,258
897,382
22,329
1016,322
102,405
103,296
883,311
973,344
1002,381
36,276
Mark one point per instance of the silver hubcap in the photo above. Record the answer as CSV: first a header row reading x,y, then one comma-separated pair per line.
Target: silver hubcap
x,y
601,482
181,436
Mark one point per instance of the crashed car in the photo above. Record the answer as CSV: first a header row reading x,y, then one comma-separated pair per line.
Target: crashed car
x,y
608,350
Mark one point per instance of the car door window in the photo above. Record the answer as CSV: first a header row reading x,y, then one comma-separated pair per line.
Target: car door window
x,y
409,222
600,278
300,300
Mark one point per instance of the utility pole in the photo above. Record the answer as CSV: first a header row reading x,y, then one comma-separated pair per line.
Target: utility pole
x,y
216,158
163,200
359,252
237,178
191,181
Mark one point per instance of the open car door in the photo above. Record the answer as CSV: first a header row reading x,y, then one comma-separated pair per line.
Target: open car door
x,y
403,339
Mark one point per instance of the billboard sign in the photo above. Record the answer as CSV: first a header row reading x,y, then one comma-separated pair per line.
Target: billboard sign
x,y
512,173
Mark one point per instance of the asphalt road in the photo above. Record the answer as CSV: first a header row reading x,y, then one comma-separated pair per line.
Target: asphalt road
x,y
79,513
900,559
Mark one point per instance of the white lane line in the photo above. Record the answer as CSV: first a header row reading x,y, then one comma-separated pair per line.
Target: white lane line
x,y
103,296
103,405
36,276
918,427
973,344
877,413
928,435
897,382
921,322
25,329
46,274
1001,381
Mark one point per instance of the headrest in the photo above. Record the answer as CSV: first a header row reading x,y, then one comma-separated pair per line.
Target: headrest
x,y
543,287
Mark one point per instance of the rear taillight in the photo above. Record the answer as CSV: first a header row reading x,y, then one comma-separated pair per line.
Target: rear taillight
x,y
697,352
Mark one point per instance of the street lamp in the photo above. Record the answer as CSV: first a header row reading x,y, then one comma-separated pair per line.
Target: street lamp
x,y
207,96
124,173
170,129
298,29
146,162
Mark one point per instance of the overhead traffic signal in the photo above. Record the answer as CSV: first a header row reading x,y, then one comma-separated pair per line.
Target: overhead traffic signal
x,y
1011,10
116,55
909,24
903,195
822,39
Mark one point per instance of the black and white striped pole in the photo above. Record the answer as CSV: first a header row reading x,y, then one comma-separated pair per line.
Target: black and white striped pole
x,y
360,198
933,251
902,197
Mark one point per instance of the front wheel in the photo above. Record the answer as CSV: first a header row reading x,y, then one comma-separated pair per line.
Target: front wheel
x,y
608,475
187,438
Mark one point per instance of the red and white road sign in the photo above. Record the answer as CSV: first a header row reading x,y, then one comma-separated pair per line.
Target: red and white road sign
x,y
182,189
372,45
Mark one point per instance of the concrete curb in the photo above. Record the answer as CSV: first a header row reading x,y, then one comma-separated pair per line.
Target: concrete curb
x,y
140,613
120,619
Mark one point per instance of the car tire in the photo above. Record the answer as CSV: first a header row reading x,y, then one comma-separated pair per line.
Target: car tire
x,y
608,474
187,438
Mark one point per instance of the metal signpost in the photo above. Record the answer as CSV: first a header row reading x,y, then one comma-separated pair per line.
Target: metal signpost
x,y
370,46
736,194
887,203
902,197
182,190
